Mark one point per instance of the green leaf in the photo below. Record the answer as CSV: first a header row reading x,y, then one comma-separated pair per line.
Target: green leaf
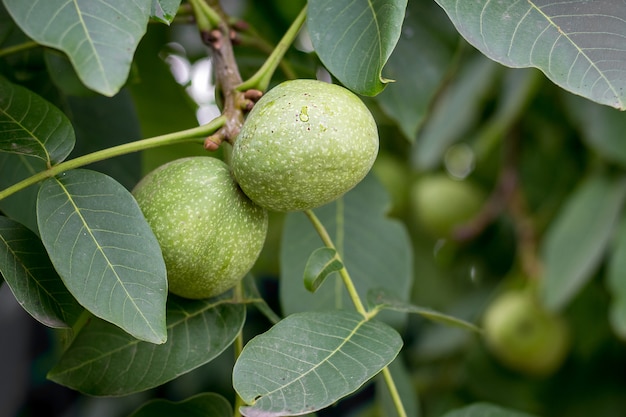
x,y
455,112
601,128
616,281
310,360
321,263
355,39
485,410
407,100
103,360
100,38
548,36
382,299
25,266
577,239
104,250
375,249
201,405
164,11
31,126
20,206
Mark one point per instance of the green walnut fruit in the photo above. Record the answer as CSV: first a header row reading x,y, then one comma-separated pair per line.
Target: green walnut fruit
x,y
441,203
210,233
523,336
304,144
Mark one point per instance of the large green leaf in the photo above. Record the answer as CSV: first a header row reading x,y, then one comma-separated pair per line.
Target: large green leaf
x,y
100,37
104,250
25,266
31,126
485,410
104,360
201,405
616,281
354,39
375,249
310,360
418,76
577,44
576,241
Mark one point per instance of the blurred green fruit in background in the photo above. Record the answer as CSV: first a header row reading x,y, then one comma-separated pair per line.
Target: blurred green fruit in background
x,y
523,336
440,203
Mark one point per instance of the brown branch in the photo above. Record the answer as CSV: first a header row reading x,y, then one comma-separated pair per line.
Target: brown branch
x,y
227,77
508,196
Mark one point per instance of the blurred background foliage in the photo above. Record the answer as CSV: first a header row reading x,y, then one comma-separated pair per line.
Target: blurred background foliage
x,y
502,151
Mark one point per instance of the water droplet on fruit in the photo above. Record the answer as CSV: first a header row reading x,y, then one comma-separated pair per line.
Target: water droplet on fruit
x,y
304,117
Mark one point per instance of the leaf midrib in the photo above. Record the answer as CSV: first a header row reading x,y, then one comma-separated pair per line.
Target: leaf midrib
x,y
580,51
46,156
324,360
99,248
134,342
92,44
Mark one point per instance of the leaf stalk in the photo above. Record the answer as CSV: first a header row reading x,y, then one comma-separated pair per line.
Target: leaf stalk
x,y
358,304
189,135
343,272
261,79
18,48
393,391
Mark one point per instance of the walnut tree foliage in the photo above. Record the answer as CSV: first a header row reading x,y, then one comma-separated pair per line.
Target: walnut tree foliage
x,y
353,308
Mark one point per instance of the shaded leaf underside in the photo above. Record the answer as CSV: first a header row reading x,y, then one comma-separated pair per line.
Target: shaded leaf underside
x,y
579,45
104,250
310,360
104,360
100,37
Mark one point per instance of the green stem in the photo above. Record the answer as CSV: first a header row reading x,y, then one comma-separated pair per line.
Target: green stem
x,y
323,233
393,390
261,79
154,142
238,348
238,343
347,281
18,48
255,41
206,17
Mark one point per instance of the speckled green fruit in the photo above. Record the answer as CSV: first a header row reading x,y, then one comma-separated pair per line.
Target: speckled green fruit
x,y
210,233
304,144
523,336
441,203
